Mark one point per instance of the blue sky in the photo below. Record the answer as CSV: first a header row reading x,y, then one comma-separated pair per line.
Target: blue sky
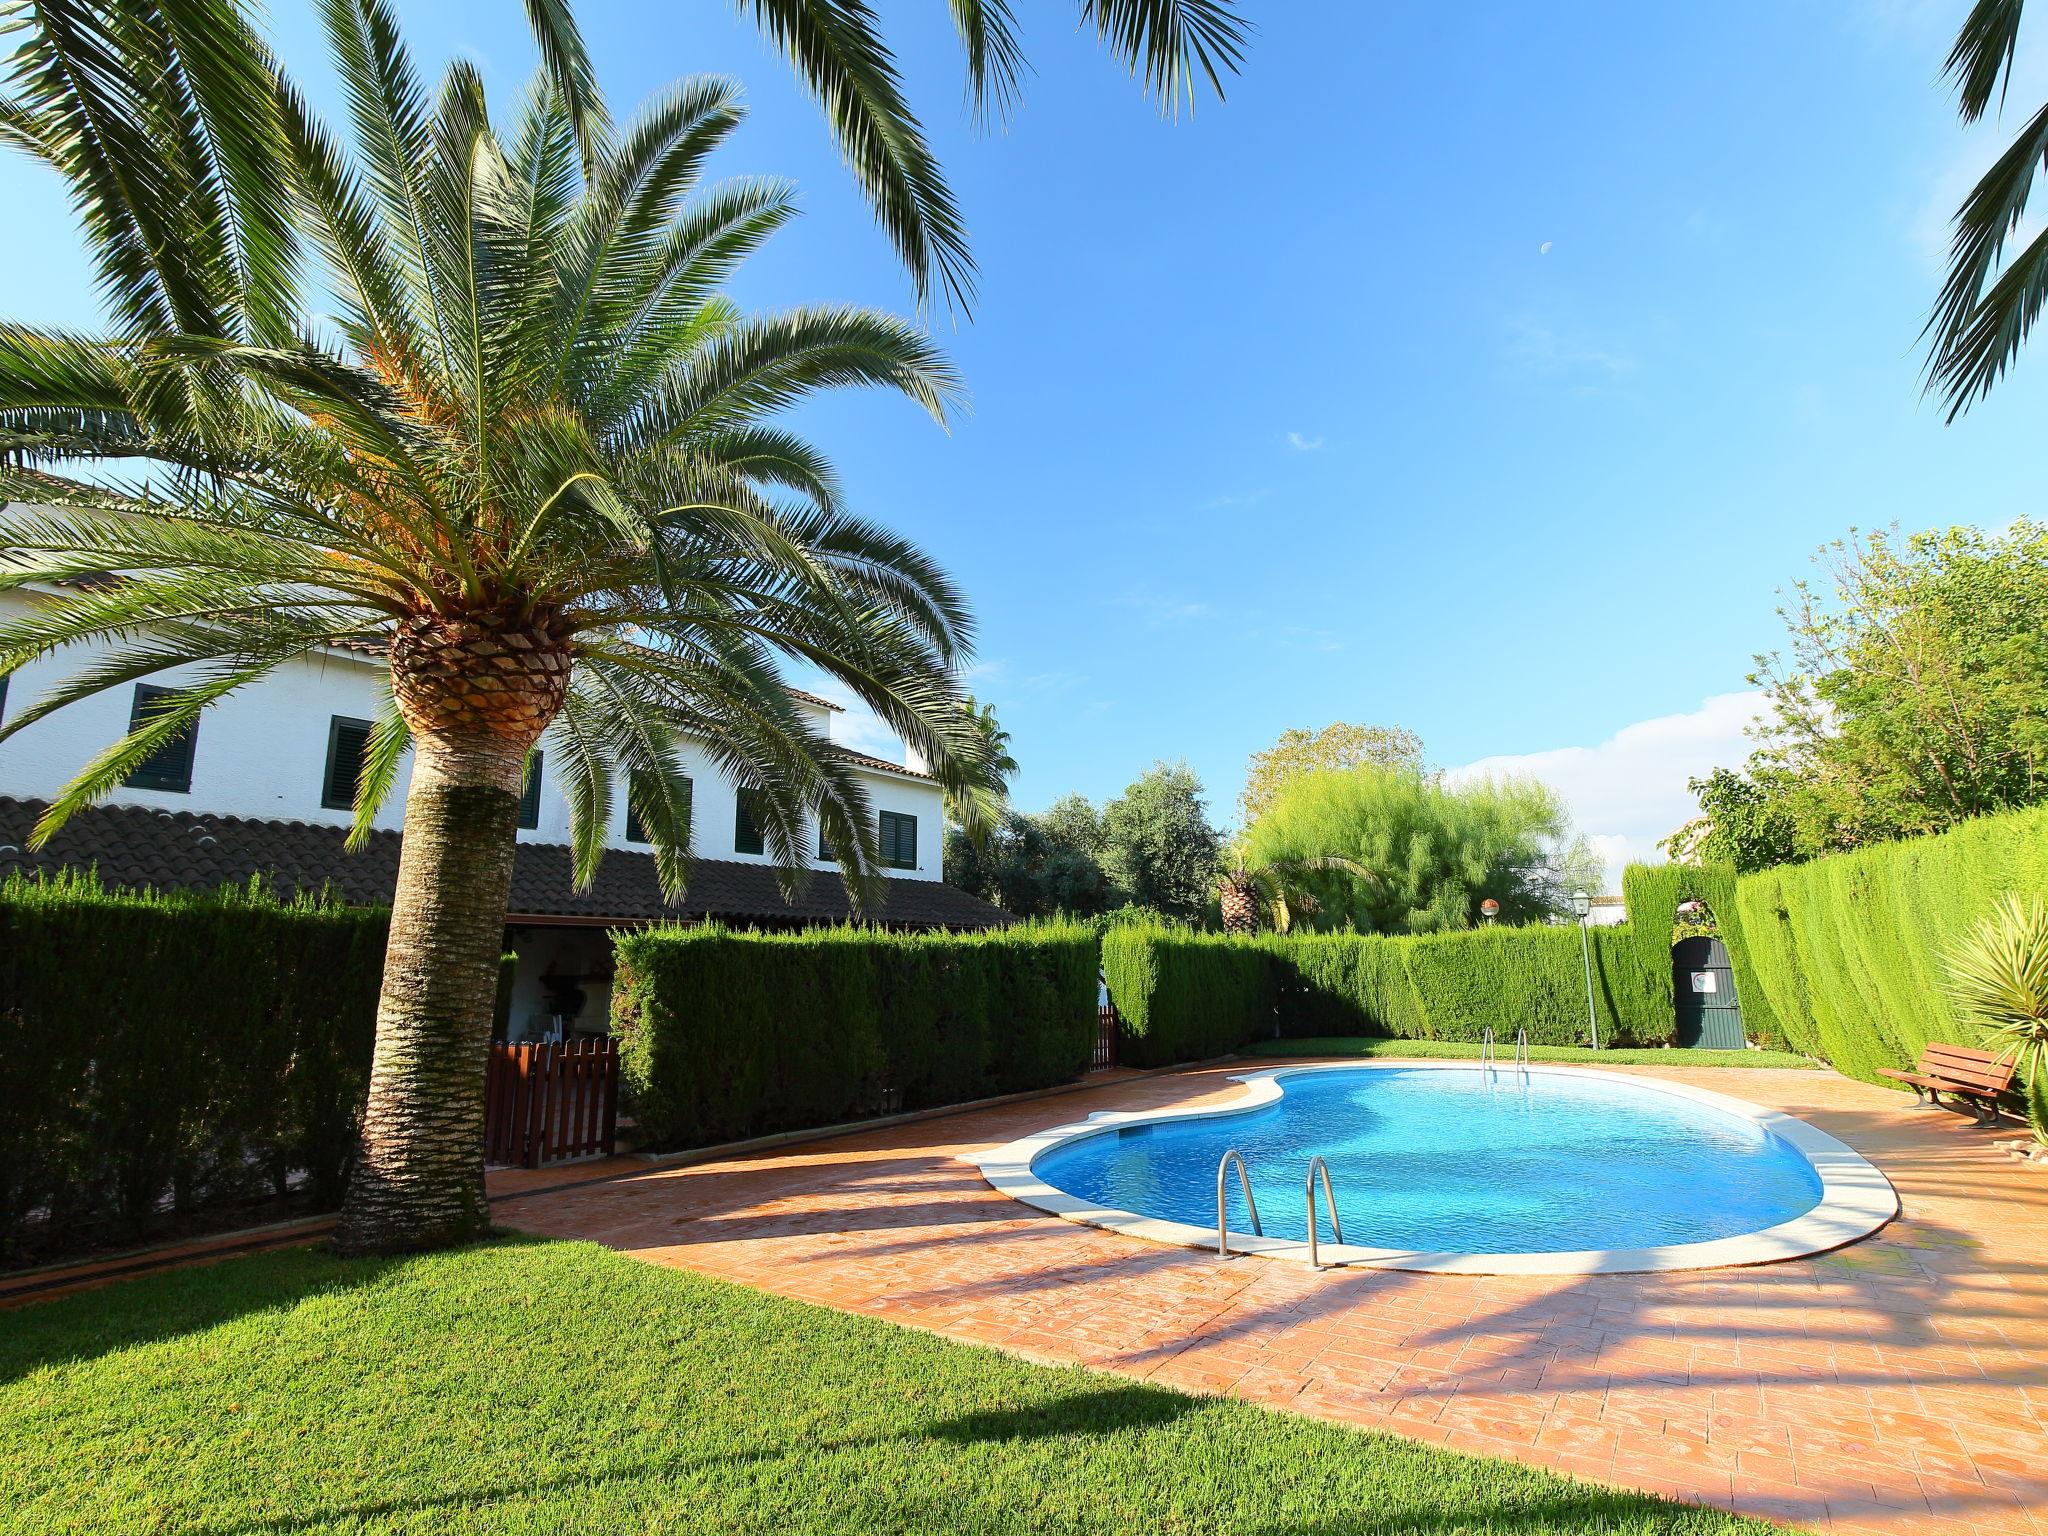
x,y
1283,414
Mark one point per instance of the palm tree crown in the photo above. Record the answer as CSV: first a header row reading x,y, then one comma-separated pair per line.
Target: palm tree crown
x,y
533,457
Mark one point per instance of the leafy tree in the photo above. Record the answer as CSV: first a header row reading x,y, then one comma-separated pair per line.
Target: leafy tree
x,y
1026,866
527,451
1158,847
1247,890
1991,297
1741,822
1073,822
1914,696
1435,851
1335,746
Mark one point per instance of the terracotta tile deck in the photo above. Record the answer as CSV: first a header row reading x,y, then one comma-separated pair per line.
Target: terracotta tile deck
x,y
1897,1385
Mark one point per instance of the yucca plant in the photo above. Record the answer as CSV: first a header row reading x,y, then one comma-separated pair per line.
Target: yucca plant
x,y
507,429
1997,979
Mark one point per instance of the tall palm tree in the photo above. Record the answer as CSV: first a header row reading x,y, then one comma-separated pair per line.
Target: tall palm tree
x,y
511,432
840,55
982,807
1990,298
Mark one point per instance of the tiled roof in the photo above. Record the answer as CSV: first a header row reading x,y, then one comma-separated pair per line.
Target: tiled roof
x,y
862,760
134,846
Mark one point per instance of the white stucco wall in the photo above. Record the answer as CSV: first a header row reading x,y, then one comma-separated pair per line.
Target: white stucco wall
x,y
262,752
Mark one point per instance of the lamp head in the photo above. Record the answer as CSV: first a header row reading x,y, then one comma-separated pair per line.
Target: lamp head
x,y
1581,903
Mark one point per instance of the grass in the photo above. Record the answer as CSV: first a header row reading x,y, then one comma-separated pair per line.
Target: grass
x,y
545,1387
1362,1045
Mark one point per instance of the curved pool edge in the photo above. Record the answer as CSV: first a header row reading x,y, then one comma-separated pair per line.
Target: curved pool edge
x,y
1856,1198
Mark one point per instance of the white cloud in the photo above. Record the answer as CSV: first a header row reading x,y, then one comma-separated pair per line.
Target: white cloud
x,y
1629,791
1542,350
1301,442
1162,610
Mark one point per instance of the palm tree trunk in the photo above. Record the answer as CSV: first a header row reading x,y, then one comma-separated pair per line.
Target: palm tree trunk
x,y
419,1176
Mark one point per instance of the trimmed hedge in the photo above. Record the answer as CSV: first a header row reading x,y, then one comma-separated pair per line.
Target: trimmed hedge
x,y
200,1047
1848,948
1186,996
1653,893
728,1034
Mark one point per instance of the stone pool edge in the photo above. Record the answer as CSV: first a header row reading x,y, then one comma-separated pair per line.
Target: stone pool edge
x,y
1856,1198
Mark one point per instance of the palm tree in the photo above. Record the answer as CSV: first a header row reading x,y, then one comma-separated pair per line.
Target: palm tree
x,y
1989,299
835,46
982,808
1276,889
528,451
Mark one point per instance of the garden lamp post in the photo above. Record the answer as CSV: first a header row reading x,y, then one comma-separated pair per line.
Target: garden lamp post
x,y
1583,905
1489,909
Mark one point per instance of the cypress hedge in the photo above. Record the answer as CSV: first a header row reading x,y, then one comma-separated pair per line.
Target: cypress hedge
x,y
727,1034
1186,996
182,1049
1848,948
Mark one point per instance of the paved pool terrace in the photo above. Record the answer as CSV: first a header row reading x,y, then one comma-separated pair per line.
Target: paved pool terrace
x,y
1900,1384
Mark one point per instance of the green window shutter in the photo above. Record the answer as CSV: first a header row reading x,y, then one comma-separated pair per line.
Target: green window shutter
x,y
746,826
824,843
347,742
899,840
636,829
169,767
3,694
529,791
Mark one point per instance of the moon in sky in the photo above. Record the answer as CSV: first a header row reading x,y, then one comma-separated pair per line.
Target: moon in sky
x,y
1543,249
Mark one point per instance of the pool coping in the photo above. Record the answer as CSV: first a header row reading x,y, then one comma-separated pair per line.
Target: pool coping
x,y
1856,1199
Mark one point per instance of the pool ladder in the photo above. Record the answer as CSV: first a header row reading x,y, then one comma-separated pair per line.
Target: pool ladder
x,y
1317,1166
1244,1182
1486,1052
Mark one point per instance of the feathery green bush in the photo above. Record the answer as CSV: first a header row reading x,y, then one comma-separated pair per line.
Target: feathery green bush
x,y
726,1034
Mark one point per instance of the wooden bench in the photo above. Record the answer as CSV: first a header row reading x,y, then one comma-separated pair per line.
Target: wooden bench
x,y
1977,1077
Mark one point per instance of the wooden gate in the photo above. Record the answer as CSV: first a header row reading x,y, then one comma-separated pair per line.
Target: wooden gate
x,y
1105,1038
545,1102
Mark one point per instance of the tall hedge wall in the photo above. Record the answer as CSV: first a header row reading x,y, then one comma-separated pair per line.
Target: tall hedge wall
x,y
1653,893
1185,996
728,1034
196,1047
1848,948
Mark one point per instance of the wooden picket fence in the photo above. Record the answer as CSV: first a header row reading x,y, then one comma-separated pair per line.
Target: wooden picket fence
x,y
550,1101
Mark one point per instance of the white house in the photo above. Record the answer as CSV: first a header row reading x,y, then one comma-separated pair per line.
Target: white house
x,y
266,783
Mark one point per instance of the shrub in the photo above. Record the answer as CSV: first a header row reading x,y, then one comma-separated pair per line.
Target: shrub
x,y
1185,997
729,1034
200,1047
1848,948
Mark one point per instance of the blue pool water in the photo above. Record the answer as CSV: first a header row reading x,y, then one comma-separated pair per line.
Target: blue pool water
x,y
1460,1161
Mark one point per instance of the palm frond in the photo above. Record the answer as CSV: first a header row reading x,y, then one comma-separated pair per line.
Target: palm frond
x,y
1981,61
1169,44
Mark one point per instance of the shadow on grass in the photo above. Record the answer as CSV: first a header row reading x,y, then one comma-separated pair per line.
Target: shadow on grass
x,y
78,1328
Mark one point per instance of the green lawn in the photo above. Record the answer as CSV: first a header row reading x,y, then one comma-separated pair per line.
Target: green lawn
x,y
1360,1045
557,1387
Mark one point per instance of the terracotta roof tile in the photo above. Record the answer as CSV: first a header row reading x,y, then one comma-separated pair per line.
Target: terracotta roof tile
x,y
185,850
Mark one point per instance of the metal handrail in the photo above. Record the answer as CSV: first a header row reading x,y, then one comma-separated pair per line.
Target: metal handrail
x,y
1486,1048
1315,1166
1244,1181
1522,1051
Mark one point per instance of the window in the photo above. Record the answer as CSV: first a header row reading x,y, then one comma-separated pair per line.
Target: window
x,y
347,742
3,694
636,785
899,840
824,843
746,824
169,767
529,791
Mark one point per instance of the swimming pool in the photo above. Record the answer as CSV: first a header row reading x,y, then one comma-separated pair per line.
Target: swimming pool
x,y
1452,1166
